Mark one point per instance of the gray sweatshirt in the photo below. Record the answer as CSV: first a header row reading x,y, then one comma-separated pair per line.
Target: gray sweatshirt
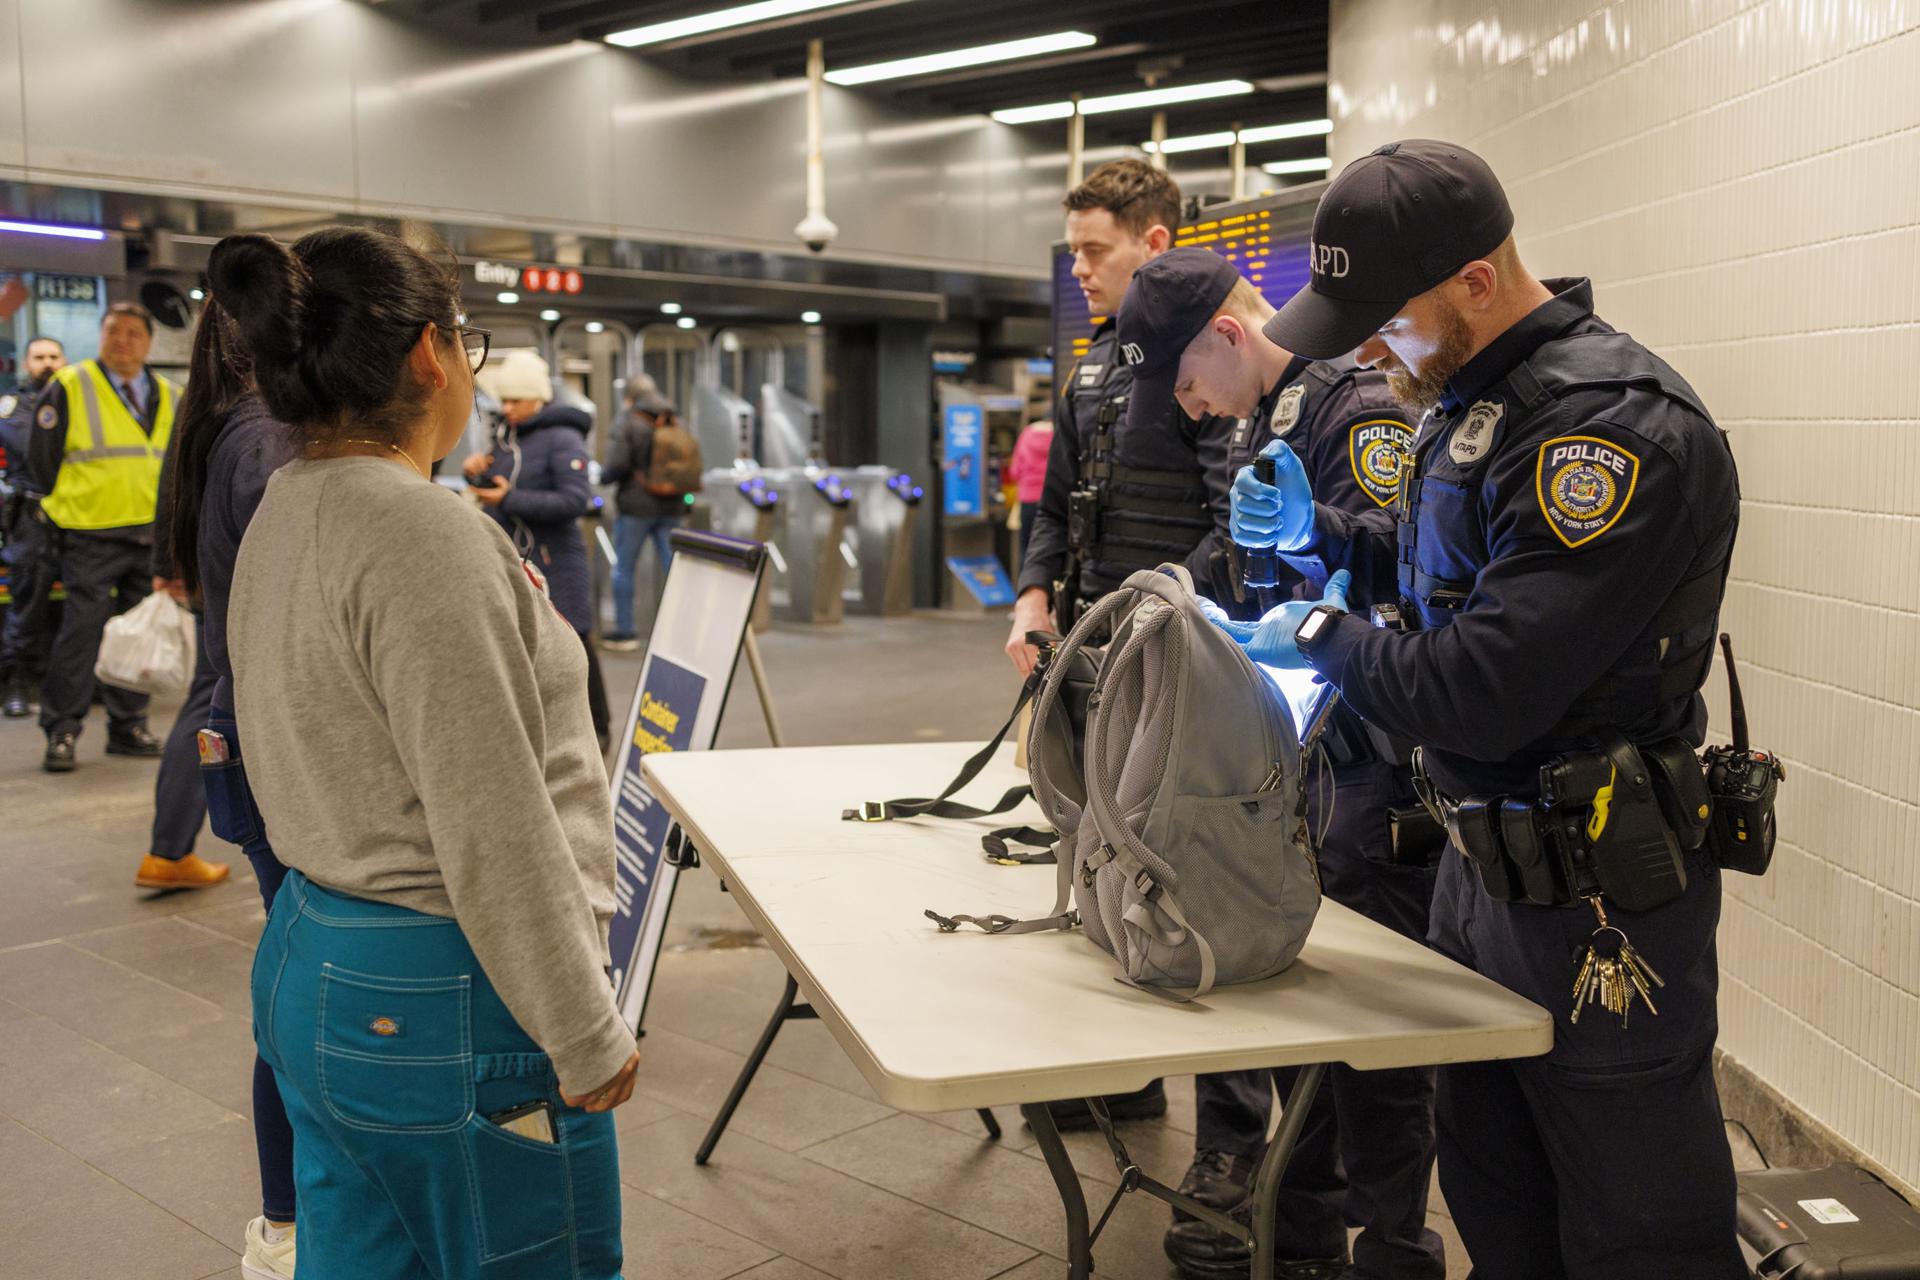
x,y
414,714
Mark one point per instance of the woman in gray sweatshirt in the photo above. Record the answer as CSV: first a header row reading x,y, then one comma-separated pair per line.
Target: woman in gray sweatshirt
x,y
431,988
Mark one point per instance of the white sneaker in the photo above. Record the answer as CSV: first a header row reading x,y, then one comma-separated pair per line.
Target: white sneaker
x,y
264,1261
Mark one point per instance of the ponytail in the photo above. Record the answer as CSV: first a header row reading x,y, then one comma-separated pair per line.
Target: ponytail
x,y
217,379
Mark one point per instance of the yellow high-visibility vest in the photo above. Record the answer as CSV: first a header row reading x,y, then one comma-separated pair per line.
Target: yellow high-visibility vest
x,y
110,476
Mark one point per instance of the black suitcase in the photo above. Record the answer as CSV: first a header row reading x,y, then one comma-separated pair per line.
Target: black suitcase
x,y
1835,1223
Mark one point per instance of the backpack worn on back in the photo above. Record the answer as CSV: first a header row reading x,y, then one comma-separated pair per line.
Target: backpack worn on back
x,y
1181,835
675,467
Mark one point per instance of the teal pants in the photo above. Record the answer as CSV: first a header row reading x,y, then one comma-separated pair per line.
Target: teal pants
x,y
391,1049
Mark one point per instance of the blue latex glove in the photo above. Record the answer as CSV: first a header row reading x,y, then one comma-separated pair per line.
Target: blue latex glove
x,y
1277,515
1240,631
1272,642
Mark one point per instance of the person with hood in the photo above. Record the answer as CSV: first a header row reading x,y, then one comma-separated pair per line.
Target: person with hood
x,y
535,482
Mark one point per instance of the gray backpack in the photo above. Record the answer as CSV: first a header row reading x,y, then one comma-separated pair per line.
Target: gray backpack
x,y
1182,841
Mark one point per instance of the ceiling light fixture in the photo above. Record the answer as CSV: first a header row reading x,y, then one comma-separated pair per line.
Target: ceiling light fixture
x,y
928,63
686,322
718,20
669,308
594,326
1264,133
549,315
1318,164
507,298
48,229
809,317
1136,101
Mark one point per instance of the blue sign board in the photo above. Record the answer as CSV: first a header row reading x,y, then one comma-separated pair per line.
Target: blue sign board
x,y
668,705
965,452
985,577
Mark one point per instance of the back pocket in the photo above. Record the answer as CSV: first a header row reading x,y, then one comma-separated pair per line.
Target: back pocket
x,y
393,1055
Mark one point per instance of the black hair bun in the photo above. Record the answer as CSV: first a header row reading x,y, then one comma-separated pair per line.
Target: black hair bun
x,y
263,286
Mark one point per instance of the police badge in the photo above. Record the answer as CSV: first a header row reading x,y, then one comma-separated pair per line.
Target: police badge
x,y
1286,410
1474,436
1375,451
7,405
48,417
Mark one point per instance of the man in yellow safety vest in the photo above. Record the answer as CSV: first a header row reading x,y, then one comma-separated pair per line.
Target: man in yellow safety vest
x,y
99,432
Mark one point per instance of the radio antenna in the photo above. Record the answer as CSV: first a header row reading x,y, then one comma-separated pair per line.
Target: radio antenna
x,y
1733,689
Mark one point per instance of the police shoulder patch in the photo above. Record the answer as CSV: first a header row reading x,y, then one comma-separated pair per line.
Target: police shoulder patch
x,y
1472,438
8,404
1376,450
48,417
1584,484
1286,410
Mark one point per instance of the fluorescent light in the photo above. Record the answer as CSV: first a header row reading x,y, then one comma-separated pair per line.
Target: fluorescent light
x,y
197,294
669,308
1125,101
594,326
718,20
1298,129
927,63
809,317
48,229
508,298
1318,164
1264,133
549,315
686,322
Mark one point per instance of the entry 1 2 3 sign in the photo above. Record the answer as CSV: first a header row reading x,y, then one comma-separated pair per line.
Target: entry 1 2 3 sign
x,y
669,705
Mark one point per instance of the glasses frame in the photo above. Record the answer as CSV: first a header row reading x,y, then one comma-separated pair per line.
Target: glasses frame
x,y
486,345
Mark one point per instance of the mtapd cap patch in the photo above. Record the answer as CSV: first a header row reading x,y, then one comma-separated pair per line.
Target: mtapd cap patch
x,y
1584,485
1376,450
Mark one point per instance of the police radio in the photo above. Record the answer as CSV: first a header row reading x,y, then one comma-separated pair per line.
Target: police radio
x,y
1743,784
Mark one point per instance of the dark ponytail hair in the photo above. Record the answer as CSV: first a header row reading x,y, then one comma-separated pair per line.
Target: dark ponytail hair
x,y
327,326
218,378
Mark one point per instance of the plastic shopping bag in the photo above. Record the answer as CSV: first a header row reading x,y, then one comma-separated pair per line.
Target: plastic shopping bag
x,y
149,648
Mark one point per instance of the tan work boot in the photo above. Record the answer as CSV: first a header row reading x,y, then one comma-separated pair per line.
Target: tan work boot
x,y
190,872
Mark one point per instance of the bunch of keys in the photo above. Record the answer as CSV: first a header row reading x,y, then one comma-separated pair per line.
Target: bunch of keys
x,y
1613,973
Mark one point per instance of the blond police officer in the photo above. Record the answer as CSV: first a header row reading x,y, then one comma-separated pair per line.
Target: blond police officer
x,y
99,432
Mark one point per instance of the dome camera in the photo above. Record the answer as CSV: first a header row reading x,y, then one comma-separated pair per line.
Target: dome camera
x,y
816,231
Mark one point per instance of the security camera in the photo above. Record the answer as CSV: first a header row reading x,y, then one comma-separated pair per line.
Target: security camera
x,y
816,231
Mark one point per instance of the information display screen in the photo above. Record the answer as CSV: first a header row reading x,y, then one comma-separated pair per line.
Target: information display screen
x,y
1265,238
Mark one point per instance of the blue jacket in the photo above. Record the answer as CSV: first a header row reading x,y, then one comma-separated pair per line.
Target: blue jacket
x,y
545,459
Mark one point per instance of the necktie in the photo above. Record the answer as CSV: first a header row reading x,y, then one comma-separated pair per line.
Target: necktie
x,y
133,398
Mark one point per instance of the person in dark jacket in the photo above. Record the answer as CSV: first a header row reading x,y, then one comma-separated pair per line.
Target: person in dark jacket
x,y
644,517
535,483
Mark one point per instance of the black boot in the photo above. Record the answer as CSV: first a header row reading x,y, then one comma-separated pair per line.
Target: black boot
x,y
1073,1114
1217,1180
59,757
1203,1252
15,706
137,741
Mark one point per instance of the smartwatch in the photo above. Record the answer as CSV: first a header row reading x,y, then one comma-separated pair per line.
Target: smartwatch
x,y
1316,627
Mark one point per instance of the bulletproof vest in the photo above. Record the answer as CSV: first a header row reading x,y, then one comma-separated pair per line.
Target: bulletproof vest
x,y
1142,499
1443,539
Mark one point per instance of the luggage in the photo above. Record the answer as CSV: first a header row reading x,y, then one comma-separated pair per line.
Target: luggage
x,y
1833,1223
1182,840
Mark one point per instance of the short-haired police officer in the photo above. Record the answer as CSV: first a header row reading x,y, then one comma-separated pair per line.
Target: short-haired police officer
x,y
1194,327
29,554
1561,551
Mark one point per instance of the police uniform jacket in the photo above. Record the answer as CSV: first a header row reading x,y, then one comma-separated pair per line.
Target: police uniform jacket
x,y
16,420
1348,433
1145,523
1564,547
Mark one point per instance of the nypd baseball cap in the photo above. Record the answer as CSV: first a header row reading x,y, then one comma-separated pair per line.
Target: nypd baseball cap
x,y
1167,304
1394,224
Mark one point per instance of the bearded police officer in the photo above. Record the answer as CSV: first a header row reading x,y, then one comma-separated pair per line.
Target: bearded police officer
x,y
1559,557
99,433
1124,491
28,548
1196,329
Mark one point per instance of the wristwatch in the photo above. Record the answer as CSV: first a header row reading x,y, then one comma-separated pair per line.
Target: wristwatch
x,y
1316,627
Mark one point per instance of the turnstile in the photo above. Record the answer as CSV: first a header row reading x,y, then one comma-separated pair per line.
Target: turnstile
x,y
819,508
879,540
742,502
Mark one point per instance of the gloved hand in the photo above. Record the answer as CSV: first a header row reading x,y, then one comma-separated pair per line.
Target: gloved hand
x,y
1240,631
1272,642
1277,515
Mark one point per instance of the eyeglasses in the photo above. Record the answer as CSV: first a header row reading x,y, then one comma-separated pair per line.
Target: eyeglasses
x,y
476,342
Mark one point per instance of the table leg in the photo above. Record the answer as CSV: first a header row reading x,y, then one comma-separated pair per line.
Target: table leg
x,y
1266,1185
783,1011
1072,1198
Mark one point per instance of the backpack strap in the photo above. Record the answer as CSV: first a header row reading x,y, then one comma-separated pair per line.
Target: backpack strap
x,y
996,845
1062,916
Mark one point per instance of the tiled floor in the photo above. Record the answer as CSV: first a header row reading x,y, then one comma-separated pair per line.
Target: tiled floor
x,y
125,1056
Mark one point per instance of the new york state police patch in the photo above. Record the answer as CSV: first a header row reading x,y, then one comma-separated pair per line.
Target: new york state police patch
x,y
1584,485
1376,451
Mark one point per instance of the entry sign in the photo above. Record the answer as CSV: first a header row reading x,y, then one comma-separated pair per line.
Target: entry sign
x,y
697,634
966,461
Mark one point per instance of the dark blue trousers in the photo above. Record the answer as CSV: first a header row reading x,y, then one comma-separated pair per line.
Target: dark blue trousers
x,y
179,801
32,616
1606,1158
104,576
1366,1154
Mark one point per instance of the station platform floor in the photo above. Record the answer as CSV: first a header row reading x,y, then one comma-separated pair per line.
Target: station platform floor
x,y
126,1148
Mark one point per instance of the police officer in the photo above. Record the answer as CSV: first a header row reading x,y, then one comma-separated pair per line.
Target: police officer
x,y
100,430
1123,492
1561,550
1196,327
31,566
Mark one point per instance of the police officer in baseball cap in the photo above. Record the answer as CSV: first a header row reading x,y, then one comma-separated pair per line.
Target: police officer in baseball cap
x,y
1194,326
1559,554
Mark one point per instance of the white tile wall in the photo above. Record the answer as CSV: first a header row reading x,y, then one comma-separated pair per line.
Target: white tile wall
x,y
1741,178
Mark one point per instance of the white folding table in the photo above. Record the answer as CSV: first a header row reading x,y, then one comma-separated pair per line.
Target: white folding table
x,y
943,1021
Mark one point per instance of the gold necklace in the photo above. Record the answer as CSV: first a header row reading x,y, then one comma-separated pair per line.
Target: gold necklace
x,y
378,444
